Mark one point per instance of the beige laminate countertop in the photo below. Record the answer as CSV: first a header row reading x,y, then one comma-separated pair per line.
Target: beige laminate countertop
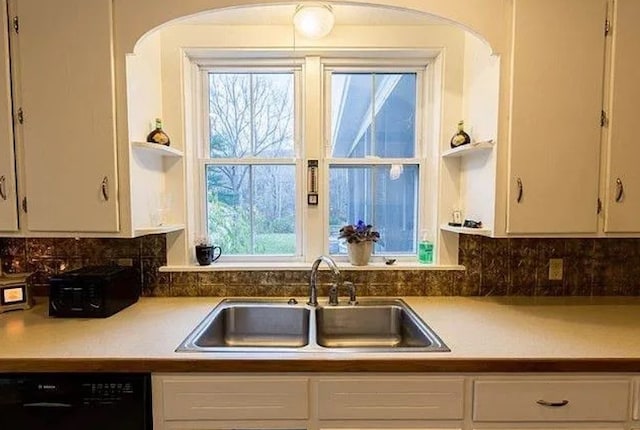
x,y
484,334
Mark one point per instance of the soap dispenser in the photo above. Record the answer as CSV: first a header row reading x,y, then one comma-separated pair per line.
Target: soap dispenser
x,y
425,248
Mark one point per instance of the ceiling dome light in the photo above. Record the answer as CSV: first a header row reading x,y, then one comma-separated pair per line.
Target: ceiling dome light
x,y
313,21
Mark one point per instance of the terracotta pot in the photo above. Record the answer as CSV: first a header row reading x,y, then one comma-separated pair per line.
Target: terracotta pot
x,y
360,253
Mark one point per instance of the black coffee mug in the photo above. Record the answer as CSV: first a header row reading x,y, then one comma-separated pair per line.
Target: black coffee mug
x,y
207,254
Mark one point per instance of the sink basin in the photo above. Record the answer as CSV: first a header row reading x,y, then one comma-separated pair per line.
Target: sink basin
x,y
375,324
243,324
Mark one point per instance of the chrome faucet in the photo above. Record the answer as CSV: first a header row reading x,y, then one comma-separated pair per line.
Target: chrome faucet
x,y
333,294
313,279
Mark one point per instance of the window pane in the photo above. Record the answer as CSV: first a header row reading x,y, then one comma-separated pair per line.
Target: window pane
x,y
373,114
251,209
274,209
384,196
251,114
351,114
395,118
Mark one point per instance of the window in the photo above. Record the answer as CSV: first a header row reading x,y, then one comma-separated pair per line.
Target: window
x,y
373,165
249,166
252,159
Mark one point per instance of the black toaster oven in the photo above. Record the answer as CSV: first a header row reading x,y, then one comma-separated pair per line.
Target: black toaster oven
x,y
93,291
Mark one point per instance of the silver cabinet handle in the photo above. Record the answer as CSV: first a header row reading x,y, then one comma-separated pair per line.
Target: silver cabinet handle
x,y
619,190
105,188
520,190
553,404
3,191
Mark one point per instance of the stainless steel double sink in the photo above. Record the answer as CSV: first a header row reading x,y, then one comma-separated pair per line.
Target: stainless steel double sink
x,y
373,325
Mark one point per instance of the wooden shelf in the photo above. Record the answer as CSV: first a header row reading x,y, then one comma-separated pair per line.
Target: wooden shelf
x,y
475,147
466,230
163,150
158,230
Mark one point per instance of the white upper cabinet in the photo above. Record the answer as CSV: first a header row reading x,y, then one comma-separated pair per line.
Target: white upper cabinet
x,y
66,91
623,176
556,103
8,199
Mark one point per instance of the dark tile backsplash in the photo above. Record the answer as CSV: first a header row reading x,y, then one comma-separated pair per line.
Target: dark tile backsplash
x,y
48,256
497,267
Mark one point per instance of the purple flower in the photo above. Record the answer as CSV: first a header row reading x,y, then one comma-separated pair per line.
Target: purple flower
x,y
359,232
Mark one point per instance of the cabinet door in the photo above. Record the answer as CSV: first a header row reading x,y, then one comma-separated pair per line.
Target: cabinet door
x,y
8,199
558,60
623,179
66,93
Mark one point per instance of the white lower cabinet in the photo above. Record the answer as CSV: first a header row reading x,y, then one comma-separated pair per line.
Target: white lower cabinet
x,y
636,401
290,401
395,401
384,398
208,402
563,400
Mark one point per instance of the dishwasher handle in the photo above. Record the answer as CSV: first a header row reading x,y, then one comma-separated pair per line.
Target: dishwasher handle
x,y
47,405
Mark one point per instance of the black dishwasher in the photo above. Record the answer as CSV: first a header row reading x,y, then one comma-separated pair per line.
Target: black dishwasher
x,y
75,401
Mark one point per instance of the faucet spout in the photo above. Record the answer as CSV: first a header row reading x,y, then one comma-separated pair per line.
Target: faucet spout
x,y
313,278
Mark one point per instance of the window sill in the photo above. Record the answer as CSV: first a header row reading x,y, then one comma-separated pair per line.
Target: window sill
x,y
297,266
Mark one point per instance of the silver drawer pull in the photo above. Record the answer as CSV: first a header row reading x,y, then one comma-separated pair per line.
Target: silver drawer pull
x,y
520,190
619,190
553,404
3,191
105,189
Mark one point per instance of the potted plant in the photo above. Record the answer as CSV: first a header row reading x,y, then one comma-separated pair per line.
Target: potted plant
x,y
360,238
205,251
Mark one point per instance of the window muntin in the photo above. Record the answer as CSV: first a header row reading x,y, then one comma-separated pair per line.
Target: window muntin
x,y
249,168
374,171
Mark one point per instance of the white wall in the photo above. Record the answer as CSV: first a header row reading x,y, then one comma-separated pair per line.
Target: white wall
x,y
480,88
134,18
480,107
144,87
144,96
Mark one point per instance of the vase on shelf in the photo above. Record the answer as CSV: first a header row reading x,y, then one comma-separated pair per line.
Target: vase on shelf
x,y
158,136
461,137
360,252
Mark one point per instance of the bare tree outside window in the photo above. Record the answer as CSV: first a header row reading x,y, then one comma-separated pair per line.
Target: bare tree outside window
x,y
250,174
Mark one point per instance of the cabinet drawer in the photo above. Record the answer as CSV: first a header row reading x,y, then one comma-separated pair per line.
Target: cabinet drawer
x,y
551,400
390,398
202,398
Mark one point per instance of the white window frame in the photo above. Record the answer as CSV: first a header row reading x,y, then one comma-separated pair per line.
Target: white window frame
x,y
307,235
270,66
420,68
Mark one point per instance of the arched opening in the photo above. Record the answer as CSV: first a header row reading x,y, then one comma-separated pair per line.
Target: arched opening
x,y
450,72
